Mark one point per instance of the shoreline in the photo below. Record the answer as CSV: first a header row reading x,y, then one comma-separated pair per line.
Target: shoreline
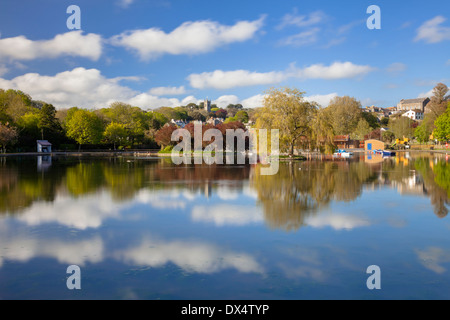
x,y
164,155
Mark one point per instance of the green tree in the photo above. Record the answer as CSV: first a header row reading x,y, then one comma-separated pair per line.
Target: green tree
x,y
157,120
15,103
181,113
436,106
48,123
241,116
192,106
115,133
29,130
402,127
85,127
287,110
371,119
384,121
362,129
388,136
345,114
442,131
134,119
197,116
422,133
173,113
322,133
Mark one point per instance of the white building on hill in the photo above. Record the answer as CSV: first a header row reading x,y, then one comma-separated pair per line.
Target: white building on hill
x,y
414,114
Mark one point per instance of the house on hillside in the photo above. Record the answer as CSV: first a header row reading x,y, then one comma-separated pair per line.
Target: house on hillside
x,y
416,114
413,104
372,109
389,111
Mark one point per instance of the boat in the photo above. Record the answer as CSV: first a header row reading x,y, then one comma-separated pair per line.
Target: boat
x,y
385,153
342,153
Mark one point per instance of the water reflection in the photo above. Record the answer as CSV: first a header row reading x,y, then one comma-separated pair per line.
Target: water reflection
x,y
299,191
288,200
279,234
191,256
23,248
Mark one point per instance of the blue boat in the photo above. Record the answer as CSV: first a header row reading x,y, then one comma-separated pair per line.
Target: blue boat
x,y
385,153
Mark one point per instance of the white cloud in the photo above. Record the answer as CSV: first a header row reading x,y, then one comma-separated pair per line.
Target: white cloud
x,y
432,258
78,87
337,70
226,193
148,101
190,38
88,88
163,91
224,101
68,211
431,31
297,20
396,68
337,221
22,249
173,199
219,79
301,39
254,101
190,256
427,94
72,43
322,100
227,215
190,99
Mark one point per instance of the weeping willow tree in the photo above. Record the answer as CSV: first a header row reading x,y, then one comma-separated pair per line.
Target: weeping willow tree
x,y
322,137
287,110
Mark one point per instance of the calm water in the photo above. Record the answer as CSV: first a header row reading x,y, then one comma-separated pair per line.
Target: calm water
x,y
146,229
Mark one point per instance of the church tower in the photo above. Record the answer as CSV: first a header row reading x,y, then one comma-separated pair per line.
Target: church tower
x,y
207,105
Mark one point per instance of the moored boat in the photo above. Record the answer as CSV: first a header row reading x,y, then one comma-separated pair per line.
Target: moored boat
x,y
342,153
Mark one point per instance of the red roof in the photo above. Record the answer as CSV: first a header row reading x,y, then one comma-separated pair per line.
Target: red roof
x,y
341,138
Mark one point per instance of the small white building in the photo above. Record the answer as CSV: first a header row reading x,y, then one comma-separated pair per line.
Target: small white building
x,y
43,146
414,114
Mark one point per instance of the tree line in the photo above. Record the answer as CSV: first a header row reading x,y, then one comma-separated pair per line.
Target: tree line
x,y
24,120
304,125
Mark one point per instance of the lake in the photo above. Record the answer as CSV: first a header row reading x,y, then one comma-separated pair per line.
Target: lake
x,y
147,229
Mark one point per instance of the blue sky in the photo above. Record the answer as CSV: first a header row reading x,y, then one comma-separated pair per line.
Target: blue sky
x,y
169,53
